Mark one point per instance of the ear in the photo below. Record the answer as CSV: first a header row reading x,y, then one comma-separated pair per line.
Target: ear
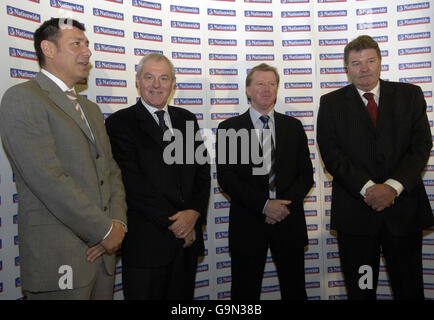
x,y
174,83
48,48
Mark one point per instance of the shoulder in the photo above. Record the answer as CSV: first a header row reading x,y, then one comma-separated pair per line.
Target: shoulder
x,y
121,115
234,122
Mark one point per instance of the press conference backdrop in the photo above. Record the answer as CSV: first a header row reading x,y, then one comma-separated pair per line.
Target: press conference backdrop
x,y
212,45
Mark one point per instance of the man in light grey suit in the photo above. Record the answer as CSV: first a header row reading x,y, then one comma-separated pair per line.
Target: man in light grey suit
x,y
71,212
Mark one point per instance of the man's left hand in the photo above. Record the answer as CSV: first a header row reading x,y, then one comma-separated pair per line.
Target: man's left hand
x,y
380,196
184,222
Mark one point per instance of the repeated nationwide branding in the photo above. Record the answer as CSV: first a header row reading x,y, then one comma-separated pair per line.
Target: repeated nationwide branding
x,y
332,70
297,71
147,20
108,14
332,27
111,99
20,33
297,56
366,11
223,72
409,22
110,65
185,40
185,25
307,99
332,42
23,14
182,9
22,74
109,31
295,14
187,101
223,86
180,70
188,86
147,36
186,55
23,54
297,42
144,52
67,6
298,85
259,43
259,57
222,42
296,28
258,28
414,36
146,4
372,25
221,12
413,6
103,82
223,101
223,57
222,27
332,13
414,65
258,14
109,48
417,50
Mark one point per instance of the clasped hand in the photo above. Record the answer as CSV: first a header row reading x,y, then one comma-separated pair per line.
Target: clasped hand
x,y
380,196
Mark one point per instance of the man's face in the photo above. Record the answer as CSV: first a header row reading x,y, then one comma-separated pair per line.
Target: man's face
x,y
155,83
364,68
262,91
70,59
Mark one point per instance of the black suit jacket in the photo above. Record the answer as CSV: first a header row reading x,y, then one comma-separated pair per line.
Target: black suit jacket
x,y
248,231
155,190
354,151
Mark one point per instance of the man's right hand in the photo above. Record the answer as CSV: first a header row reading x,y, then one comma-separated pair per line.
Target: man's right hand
x,y
114,239
276,210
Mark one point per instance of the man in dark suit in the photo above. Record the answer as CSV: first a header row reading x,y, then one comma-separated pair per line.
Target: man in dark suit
x,y
266,207
375,140
167,203
71,213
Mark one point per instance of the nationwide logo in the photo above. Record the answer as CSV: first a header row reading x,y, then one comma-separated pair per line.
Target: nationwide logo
x,y
338,297
103,82
311,256
15,198
426,79
312,227
307,99
144,52
256,28
223,57
302,114
222,27
221,12
116,1
20,33
260,57
187,55
427,94
223,86
298,42
295,71
372,25
332,13
331,70
337,84
221,235
111,99
222,42
365,11
199,116
410,22
223,116
217,190
414,65
259,43
298,85
311,270
223,72
412,6
381,38
336,283
109,31
221,220
147,20
295,14
188,86
268,289
333,42
223,101
221,250
23,14
147,36
224,294
328,1
110,65
184,25
109,48
294,1
300,28
258,14
108,14
22,74
202,268
223,265
188,101
181,9
302,56
23,54
333,255
67,6
270,274
257,1
413,36
331,56
419,50
197,71
185,40
201,284
146,4
332,27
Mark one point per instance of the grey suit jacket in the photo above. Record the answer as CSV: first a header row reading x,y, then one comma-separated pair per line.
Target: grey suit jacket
x,y
69,187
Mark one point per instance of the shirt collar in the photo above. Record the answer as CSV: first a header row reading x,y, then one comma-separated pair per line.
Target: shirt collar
x,y
375,91
152,109
255,115
57,81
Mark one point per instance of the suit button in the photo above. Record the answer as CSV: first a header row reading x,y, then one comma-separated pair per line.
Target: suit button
x,y
102,182
105,208
97,156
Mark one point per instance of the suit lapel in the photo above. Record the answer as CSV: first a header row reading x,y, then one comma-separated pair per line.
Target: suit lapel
x,y
384,105
60,99
148,124
355,103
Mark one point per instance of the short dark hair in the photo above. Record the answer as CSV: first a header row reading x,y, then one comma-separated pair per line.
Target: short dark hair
x,y
360,43
262,67
49,30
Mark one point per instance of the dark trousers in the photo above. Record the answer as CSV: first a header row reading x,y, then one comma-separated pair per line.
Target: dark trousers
x,y
248,271
403,257
175,281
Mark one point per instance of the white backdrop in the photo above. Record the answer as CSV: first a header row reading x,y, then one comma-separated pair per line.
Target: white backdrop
x,y
213,44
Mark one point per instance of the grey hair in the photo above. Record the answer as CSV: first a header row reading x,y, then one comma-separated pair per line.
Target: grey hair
x,y
157,57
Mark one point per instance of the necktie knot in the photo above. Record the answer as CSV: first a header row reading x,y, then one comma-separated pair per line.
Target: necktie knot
x,y
369,96
265,119
71,95
161,122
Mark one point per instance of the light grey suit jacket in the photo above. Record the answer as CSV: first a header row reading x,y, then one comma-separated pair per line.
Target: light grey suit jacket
x,y
69,187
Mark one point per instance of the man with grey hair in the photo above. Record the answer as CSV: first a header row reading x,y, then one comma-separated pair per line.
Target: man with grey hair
x,y
167,204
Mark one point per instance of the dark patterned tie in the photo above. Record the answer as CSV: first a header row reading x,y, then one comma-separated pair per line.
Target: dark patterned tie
x,y
269,152
161,122
371,107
